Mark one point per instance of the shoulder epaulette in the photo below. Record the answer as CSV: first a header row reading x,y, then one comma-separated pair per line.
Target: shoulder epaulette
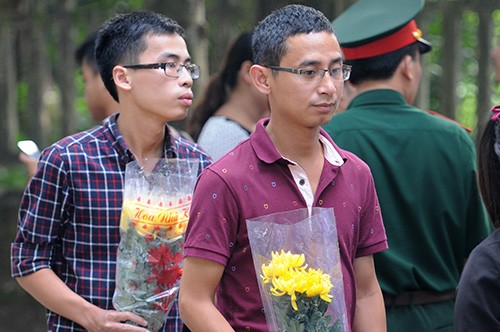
x,y
469,130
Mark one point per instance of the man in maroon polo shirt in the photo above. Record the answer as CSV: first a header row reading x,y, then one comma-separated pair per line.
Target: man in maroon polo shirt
x,y
287,163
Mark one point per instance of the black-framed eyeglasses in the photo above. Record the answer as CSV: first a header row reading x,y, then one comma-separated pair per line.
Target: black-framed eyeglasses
x,y
171,69
341,73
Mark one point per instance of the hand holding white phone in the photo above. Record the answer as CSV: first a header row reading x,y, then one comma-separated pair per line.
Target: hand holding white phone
x,y
30,148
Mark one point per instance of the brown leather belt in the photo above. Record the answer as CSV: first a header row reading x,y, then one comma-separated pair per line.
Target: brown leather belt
x,y
417,298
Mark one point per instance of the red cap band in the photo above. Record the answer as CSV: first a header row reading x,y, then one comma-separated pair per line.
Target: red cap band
x,y
405,36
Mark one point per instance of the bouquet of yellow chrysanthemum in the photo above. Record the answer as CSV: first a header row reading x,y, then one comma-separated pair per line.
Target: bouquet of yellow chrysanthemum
x,y
154,217
298,267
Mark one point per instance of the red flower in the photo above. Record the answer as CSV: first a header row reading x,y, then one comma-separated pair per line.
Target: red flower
x,y
161,257
164,305
168,278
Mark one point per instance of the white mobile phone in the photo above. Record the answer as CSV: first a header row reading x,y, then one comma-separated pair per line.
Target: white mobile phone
x,y
29,147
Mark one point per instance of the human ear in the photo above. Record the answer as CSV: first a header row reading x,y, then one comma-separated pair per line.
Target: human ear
x,y
407,66
121,78
260,77
244,72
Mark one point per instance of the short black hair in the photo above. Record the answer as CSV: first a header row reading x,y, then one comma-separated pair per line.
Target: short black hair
x,y
382,66
85,53
271,34
122,39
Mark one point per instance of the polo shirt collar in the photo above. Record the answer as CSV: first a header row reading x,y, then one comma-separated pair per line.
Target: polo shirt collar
x,y
331,154
267,152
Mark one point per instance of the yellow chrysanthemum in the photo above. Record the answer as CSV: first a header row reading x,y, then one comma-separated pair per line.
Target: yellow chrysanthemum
x,y
319,283
288,276
290,282
281,263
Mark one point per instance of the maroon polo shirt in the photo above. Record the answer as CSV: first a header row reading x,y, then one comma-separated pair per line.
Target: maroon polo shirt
x,y
253,180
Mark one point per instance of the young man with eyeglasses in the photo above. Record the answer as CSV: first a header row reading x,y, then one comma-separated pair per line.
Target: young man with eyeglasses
x,y
423,165
288,163
64,253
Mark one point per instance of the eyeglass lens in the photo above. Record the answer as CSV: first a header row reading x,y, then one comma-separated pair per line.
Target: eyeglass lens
x,y
175,70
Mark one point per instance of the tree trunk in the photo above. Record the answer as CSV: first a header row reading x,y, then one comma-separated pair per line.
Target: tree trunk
x,y
450,58
197,36
485,34
65,70
424,91
33,69
9,128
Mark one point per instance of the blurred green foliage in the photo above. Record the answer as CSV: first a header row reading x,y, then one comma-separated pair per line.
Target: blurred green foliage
x,y
13,176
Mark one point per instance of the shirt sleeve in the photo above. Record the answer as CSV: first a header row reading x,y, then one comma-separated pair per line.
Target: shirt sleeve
x,y
219,135
213,222
41,216
372,237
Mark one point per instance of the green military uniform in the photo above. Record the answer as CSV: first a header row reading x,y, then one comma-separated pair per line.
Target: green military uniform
x,y
433,218
423,166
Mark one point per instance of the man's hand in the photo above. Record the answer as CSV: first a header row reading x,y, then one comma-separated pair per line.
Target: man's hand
x,y
100,320
30,164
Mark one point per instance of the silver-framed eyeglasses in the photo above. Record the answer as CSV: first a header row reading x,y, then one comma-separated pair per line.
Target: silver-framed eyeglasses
x,y
341,73
171,69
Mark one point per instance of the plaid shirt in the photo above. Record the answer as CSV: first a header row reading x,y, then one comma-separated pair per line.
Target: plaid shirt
x,y
70,215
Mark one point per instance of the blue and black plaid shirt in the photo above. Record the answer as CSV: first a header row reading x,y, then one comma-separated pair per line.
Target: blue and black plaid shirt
x,y
70,215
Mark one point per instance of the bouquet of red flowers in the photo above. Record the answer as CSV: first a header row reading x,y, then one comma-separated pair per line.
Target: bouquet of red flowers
x,y
154,217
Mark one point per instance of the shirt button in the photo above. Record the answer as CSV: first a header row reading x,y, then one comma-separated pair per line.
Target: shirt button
x,y
302,182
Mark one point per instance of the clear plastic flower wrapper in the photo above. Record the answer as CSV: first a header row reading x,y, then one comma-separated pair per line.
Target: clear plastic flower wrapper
x,y
155,212
297,263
